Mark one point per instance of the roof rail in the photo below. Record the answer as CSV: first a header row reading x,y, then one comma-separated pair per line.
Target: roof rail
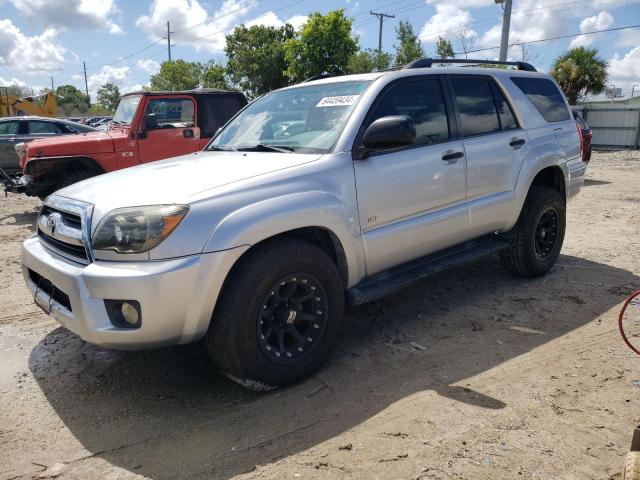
x,y
321,76
428,62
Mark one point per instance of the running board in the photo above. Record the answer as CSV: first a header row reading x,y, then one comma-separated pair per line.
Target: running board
x,y
402,276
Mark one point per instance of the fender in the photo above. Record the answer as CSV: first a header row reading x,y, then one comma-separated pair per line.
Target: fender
x,y
268,218
543,156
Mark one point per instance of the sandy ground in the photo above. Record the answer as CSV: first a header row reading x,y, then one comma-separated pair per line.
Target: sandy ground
x,y
473,374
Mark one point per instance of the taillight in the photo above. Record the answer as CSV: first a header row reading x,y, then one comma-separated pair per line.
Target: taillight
x,y
581,140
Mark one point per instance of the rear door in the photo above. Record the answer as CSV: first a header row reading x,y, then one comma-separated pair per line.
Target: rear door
x,y
170,127
9,131
495,147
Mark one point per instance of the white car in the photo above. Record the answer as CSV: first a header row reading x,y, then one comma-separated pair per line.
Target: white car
x,y
346,187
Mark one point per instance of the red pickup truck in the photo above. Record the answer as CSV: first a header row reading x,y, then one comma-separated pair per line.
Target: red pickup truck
x,y
147,126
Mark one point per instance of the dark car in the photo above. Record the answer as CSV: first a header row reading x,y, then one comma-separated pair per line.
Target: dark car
x,y
587,135
14,130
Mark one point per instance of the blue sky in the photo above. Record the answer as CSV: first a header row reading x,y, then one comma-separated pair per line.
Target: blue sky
x,y
43,38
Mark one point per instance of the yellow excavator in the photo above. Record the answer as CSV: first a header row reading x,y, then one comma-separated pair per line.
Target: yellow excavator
x,y
42,105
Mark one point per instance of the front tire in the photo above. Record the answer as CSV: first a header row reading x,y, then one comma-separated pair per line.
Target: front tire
x,y
278,314
536,240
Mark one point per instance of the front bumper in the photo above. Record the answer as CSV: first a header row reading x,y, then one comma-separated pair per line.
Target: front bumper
x,y
176,296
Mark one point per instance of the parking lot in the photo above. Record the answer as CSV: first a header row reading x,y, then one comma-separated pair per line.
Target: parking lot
x,y
472,374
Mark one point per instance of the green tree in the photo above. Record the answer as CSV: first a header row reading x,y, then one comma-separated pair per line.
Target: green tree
x,y
256,61
409,46
444,48
369,61
580,72
177,75
213,76
109,96
71,101
323,45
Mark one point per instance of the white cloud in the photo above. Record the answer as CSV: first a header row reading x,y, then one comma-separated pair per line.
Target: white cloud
x,y
624,71
445,21
107,73
270,19
298,21
600,21
148,66
71,14
211,29
12,82
31,54
136,87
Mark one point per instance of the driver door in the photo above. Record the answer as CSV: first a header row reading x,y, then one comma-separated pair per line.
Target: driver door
x,y
170,127
410,198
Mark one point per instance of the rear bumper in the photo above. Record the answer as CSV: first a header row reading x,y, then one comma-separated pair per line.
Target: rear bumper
x,y
577,170
176,296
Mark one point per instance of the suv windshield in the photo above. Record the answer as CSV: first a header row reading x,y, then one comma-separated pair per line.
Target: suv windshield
x,y
306,119
126,110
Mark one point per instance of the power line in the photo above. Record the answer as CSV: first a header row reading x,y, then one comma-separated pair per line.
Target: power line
x,y
559,37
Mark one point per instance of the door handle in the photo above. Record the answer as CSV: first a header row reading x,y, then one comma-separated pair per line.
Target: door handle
x,y
517,142
451,156
187,133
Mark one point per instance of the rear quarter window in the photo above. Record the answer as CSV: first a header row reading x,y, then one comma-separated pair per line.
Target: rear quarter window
x,y
545,96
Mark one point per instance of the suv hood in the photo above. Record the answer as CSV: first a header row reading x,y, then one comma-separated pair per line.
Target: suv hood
x,y
177,180
74,144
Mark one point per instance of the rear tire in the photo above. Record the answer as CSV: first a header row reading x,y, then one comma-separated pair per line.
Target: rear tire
x,y
536,240
278,314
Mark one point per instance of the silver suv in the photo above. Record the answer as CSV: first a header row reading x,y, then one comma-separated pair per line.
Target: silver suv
x,y
338,189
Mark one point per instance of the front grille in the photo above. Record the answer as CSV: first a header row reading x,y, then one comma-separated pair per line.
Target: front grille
x,y
44,285
67,249
66,237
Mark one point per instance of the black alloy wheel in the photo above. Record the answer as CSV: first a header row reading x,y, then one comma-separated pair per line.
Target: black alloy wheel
x,y
292,318
546,233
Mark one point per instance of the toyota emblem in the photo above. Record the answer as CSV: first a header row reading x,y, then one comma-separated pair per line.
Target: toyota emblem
x,y
53,223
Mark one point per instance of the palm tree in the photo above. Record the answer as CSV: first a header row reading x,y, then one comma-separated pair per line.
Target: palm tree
x,y
580,72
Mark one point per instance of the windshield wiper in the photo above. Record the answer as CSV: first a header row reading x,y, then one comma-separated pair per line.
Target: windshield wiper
x,y
214,148
261,147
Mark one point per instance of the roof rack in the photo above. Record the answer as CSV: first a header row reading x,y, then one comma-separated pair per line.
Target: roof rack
x,y
428,62
321,76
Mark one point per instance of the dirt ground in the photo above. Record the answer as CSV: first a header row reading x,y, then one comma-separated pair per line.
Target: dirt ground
x,y
473,374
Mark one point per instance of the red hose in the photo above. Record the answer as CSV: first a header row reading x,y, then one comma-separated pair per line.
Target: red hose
x,y
624,308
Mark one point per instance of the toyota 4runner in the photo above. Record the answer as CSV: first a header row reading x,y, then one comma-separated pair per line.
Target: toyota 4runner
x,y
338,189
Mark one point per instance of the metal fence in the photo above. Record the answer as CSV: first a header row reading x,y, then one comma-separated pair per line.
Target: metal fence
x,y
613,126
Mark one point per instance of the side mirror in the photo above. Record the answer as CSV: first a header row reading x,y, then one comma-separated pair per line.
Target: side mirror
x,y
151,121
389,132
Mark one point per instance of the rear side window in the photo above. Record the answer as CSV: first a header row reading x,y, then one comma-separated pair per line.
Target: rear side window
x,y
36,126
478,113
507,120
420,99
9,128
215,110
545,96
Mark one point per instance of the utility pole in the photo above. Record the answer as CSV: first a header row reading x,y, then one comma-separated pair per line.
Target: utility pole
x,y
381,17
52,89
168,41
506,23
86,85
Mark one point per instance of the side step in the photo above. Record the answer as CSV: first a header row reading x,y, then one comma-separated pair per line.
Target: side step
x,y
402,276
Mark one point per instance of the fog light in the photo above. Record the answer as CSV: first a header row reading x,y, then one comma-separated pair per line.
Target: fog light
x,y
124,313
129,313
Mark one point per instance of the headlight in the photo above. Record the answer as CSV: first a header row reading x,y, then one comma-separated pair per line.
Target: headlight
x,y
137,229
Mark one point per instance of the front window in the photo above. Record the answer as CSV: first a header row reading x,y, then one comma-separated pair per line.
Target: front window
x,y
306,119
126,110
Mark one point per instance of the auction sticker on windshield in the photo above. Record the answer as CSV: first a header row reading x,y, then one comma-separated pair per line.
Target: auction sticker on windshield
x,y
339,101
